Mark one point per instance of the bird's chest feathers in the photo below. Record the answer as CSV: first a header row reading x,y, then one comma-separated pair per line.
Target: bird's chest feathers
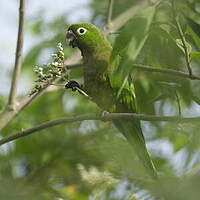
x,y
96,83
95,78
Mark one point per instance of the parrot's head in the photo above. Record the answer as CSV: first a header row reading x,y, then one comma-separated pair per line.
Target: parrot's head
x,y
87,37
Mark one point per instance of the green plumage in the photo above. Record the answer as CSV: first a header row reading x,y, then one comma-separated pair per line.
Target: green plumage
x,y
103,87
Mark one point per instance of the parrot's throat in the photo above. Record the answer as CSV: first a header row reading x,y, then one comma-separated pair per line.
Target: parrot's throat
x,y
89,53
96,62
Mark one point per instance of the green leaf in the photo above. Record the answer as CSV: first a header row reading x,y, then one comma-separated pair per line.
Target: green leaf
x,y
194,16
194,37
194,56
181,46
180,142
159,30
134,33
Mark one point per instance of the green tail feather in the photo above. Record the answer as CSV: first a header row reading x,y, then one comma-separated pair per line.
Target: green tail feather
x,y
133,133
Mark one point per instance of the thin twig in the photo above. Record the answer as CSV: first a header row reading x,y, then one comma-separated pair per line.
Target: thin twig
x,y
178,103
73,66
18,57
183,40
107,116
83,93
167,71
109,12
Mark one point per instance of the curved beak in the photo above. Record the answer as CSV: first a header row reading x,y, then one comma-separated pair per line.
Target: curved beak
x,y
71,38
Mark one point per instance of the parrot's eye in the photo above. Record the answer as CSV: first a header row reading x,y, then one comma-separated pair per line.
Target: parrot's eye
x,y
81,31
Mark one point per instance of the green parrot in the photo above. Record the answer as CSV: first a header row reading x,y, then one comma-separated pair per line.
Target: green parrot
x,y
101,85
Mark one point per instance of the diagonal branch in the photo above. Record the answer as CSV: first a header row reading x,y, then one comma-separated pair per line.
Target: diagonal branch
x,y
18,57
109,12
107,116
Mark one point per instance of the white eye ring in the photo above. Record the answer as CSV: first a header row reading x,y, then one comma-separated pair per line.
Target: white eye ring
x,y
81,31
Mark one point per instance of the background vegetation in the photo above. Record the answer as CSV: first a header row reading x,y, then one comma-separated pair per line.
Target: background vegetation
x,y
89,159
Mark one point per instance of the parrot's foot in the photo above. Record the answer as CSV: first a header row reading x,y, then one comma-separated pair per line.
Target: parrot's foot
x,y
103,114
73,85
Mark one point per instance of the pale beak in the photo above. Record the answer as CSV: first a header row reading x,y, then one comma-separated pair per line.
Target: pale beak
x,y
71,38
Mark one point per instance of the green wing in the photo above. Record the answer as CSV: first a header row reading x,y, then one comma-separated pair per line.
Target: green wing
x,y
131,129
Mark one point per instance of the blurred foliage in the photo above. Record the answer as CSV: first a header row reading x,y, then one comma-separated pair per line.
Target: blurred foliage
x,y
45,165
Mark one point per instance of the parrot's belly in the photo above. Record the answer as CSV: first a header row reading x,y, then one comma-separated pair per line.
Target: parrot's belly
x,y
101,93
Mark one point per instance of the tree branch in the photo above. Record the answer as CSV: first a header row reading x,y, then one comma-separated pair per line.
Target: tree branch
x,y
107,116
167,71
8,114
18,57
109,12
